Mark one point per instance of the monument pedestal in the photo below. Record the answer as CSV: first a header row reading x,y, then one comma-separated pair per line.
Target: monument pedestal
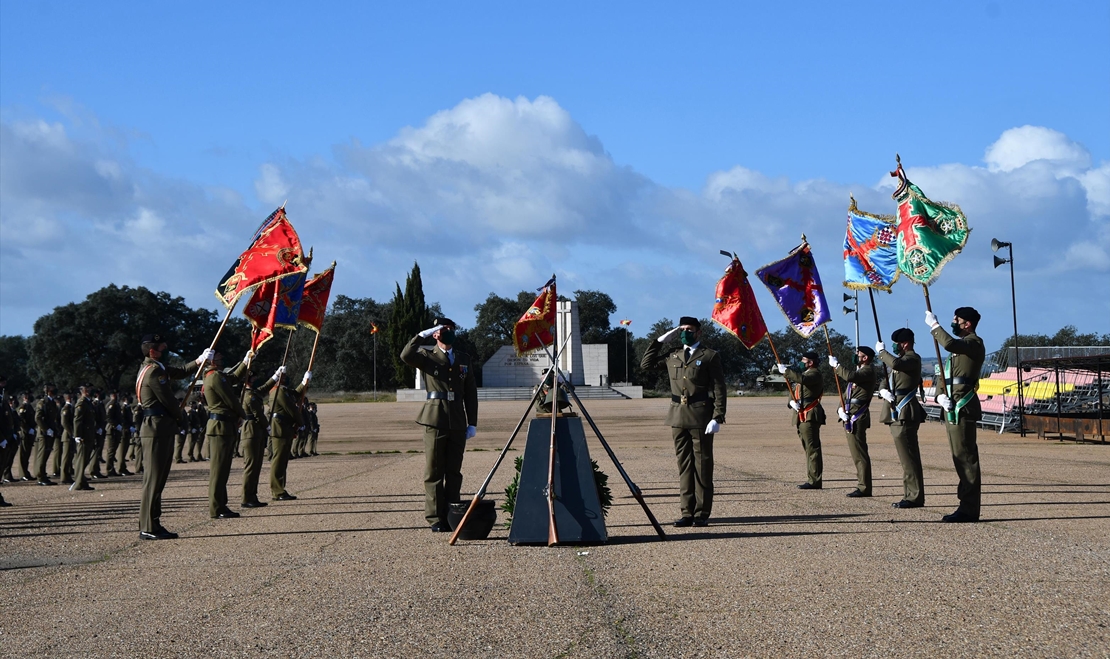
x,y
578,515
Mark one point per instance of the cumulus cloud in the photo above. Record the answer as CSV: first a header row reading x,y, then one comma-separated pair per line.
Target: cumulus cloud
x,y
494,194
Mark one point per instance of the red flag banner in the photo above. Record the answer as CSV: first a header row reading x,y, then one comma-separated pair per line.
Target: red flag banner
x,y
314,303
735,308
260,311
539,321
275,252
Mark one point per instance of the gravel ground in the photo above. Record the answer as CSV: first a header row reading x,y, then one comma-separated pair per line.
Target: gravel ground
x,y
350,569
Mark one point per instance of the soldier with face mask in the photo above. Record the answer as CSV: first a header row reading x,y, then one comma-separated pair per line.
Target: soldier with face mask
x,y
857,418
903,413
808,415
698,402
961,405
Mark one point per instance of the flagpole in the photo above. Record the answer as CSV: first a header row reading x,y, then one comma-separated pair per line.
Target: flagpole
x,y
789,389
940,362
193,382
375,365
552,530
839,391
285,356
311,359
878,332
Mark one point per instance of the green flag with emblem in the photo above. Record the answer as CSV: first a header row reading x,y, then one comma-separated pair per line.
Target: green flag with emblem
x,y
929,234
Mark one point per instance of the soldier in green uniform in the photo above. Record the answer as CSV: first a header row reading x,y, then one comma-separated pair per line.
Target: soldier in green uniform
x,y
84,430
285,418
68,445
314,428
114,430
161,415
26,415
961,405
136,441
127,425
224,413
47,420
449,416
195,432
698,402
857,418
101,424
808,415
903,413
255,435
58,447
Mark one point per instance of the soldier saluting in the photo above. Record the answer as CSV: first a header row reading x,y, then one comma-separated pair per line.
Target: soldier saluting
x,y
161,416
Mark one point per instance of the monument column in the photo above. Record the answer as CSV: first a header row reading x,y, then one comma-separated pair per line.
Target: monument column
x,y
566,319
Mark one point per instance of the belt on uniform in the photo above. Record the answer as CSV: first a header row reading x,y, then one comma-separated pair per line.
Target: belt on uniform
x,y
441,395
959,380
212,416
154,410
282,417
903,392
858,401
686,399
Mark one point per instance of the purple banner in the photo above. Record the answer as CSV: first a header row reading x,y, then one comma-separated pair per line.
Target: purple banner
x,y
796,285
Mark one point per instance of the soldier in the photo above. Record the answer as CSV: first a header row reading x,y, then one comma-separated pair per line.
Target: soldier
x,y
224,413
698,401
56,450
69,446
161,415
181,440
857,418
127,425
113,429
84,430
101,425
26,415
136,441
255,435
314,428
961,406
285,416
46,420
301,449
449,416
7,434
808,415
195,431
903,413
11,437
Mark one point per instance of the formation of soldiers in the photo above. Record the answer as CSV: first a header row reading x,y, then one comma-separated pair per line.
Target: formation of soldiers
x,y
92,435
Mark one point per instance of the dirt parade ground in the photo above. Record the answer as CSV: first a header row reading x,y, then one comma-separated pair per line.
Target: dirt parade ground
x,y
350,569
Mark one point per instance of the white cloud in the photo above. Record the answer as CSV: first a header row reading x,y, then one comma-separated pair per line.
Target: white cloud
x,y
1018,147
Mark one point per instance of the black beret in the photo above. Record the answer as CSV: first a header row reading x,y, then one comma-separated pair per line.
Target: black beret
x,y
690,320
970,315
904,335
444,321
811,356
152,338
867,351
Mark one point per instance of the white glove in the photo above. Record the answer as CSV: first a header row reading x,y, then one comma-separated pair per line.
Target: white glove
x,y
945,402
119,427
31,432
278,373
795,405
931,320
886,395
206,356
782,368
77,439
306,378
668,335
430,331
4,443
49,432
100,431
249,356
840,413
880,347
833,361
471,431
182,432
713,427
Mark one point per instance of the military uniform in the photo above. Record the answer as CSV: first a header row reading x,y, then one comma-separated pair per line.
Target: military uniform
x,y
254,437
313,424
7,439
904,417
69,447
861,388
101,424
224,413
962,377
113,428
197,423
48,425
698,396
127,421
26,416
161,417
451,406
810,387
285,418
136,441
84,433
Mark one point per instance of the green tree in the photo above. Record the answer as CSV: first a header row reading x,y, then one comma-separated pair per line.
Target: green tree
x,y
14,363
496,317
409,315
594,309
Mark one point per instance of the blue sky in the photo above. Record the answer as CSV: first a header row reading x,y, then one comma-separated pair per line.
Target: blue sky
x,y
617,145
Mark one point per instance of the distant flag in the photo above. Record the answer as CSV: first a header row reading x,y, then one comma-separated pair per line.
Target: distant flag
x,y
275,252
373,328
735,308
930,234
315,304
870,253
538,320
796,285
626,323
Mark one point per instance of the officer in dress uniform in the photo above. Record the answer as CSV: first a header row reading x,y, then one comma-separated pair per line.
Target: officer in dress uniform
x,y
285,418
449,416
69,447
808,415
857,418
314,420
698,402
961,405
84,432
903,413
101,425
47,425
255,435
26,415
221,431
161,416
114,430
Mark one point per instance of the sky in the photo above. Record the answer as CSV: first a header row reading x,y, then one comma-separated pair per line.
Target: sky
x,y
617,145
